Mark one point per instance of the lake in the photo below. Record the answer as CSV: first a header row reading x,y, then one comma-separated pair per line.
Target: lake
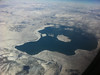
x,y
79,40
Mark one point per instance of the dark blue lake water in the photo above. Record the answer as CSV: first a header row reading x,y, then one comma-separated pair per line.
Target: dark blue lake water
x,y
79,40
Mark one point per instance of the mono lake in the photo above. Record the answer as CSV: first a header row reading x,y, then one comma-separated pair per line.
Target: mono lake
x,y
79,40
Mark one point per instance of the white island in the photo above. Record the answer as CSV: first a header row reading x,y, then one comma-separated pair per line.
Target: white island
x,y
63,38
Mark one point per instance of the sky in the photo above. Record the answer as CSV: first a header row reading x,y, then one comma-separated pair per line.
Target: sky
x,y
79,1
85,0
74,0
